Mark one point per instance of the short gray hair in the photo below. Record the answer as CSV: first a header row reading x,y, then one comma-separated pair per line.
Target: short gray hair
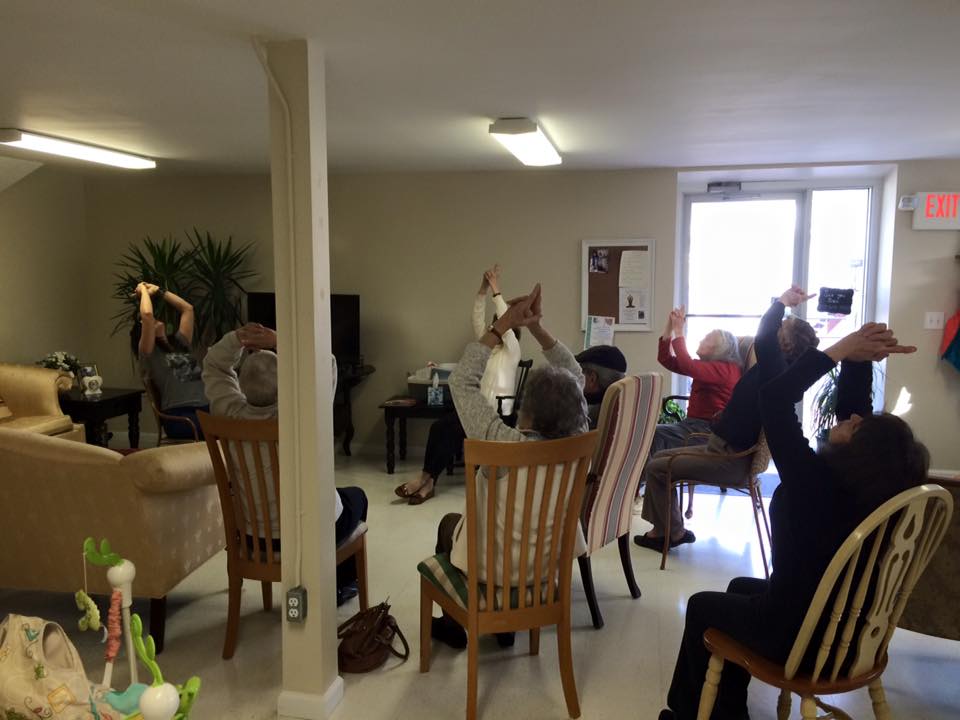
x,y
605,376
554,404
728,348
258,378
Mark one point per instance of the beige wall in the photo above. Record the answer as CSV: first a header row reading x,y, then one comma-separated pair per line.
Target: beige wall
x,y
926,277
43,267
121,209
413,246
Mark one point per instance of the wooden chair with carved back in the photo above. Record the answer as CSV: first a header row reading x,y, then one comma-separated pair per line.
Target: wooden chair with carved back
x,y
889,550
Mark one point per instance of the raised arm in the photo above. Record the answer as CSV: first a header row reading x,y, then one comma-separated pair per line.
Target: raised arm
x,y
148,332
186,315
510,341
220,382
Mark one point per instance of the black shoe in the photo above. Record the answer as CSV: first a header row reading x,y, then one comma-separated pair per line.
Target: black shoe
x,y
448,631
346,593
666,714
656,543
507,639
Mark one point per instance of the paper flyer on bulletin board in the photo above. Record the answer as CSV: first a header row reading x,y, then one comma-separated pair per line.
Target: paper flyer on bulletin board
x,y
617,281
599,331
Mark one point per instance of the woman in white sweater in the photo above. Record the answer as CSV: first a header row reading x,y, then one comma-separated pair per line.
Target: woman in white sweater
x,y
499,379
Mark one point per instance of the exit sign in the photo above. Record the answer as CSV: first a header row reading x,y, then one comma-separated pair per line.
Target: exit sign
x,y
937,211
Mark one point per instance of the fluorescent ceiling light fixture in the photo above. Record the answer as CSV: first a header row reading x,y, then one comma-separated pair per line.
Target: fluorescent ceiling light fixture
x,y
70,149
524,138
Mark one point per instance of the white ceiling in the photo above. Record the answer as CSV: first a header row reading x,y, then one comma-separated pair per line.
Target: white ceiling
x,y
412,84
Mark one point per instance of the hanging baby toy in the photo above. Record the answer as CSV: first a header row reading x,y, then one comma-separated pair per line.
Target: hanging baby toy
x,y
159,701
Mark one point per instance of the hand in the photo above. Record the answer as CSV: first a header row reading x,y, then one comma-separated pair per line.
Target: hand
x,y
139,289
490,277
255,336
523,311
794,296
678,317
872,342
151,288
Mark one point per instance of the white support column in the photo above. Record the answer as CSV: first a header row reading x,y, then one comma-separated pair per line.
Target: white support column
x,y
298,160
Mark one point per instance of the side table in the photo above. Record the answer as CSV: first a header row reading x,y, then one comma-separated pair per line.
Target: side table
x,y
348,377
392,413
94,412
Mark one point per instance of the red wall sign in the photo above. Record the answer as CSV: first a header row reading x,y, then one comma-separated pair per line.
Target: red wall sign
x,y
937,211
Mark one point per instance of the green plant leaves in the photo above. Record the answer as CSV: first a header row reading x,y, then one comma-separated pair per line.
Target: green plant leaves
x,y
206,272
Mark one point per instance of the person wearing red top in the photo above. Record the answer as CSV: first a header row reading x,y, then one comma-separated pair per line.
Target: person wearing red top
x,y
714,376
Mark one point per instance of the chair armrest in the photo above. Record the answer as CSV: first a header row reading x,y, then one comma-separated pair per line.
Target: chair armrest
x,y
709,457
179,419
29,390
170,469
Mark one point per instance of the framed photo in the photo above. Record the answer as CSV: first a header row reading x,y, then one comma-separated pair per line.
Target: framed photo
x,y
88,370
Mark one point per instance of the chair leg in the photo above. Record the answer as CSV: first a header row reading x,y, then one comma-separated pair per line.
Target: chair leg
x,y
473,667
689,513
880,708
266,589
757,501
158,621
667,531
808,708
535,641
567,678
233,617
783,705
586,573
426,618
624,542
361,560
711,683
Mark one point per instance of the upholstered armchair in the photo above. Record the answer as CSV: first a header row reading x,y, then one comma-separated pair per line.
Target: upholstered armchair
x,y
29,400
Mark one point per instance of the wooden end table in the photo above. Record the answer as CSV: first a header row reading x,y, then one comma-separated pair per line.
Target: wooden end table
x,y
94,412
393,413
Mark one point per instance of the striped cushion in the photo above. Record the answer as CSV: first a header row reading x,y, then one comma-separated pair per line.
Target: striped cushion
x,y
628,420
448,578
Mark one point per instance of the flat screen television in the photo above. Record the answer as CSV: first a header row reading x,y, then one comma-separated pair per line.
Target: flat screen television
x,y
344,321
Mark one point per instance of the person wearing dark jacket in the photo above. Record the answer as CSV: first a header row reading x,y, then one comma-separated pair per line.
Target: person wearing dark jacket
x,y
820,500
777,343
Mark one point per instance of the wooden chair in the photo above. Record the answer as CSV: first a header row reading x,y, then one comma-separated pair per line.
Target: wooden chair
x,y
759,456
547,480
248,483
628,420
902,534
153,397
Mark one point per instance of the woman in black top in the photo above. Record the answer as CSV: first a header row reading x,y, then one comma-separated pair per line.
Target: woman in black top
x,y
821,498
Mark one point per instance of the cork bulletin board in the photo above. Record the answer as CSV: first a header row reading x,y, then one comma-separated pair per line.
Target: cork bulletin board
x,y
617,280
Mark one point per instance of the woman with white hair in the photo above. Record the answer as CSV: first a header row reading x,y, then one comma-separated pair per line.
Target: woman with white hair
x,y
714,376
553,407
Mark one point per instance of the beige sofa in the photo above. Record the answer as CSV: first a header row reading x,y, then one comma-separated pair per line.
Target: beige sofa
x,y
29,400
159,508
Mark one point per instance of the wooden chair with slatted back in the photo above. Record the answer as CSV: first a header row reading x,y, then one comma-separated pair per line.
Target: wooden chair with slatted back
x,y
626,426
153,397
893,544
552,499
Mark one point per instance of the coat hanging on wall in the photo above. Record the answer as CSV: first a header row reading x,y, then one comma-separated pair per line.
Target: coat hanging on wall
x,y
950,347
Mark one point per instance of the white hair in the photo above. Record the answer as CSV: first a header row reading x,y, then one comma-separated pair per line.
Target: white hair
x,y
258,378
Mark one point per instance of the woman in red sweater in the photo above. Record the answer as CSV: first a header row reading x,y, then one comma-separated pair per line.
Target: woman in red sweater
x,y
714,376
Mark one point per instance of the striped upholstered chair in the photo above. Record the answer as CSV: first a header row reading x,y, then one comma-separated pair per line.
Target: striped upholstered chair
x,y
628,419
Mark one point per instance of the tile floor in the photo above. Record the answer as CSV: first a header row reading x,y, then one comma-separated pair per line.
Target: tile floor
x,y
622,671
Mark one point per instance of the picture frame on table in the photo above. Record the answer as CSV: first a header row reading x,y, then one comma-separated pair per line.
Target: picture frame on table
x,y
87,370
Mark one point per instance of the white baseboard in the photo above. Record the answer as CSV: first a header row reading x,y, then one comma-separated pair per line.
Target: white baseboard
x,y
293,705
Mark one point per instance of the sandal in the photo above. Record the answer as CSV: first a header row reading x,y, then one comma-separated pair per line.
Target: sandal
x,y
417,499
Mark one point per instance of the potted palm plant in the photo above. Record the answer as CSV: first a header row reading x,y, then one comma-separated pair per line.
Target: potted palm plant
x,y
207,272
